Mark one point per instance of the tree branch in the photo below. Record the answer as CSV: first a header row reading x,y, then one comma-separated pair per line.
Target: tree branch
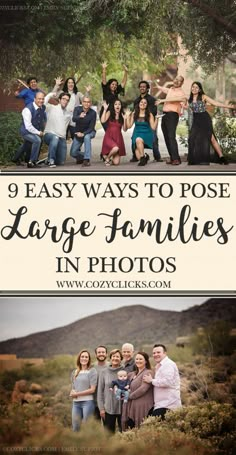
x,y
211,12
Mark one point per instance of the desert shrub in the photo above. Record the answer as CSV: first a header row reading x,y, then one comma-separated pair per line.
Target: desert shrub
x,y
214,340
8,379
10,138
46,435
211,422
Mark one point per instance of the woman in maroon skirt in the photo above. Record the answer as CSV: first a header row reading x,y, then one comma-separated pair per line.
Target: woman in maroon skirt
x,y
113,146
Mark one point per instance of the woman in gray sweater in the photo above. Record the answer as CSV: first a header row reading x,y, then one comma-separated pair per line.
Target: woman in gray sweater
x,y
84,382
109,406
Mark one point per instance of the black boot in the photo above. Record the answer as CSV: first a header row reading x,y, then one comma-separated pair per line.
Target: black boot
x,y
142,161
223,160
147,157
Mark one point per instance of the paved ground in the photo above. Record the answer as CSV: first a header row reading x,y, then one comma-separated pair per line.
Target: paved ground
x,y
152,166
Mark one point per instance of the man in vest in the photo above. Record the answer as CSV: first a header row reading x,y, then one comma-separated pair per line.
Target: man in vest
x,y
27,95
33,123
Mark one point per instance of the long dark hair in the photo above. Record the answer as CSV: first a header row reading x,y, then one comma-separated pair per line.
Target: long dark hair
x,y
200,93
147,113
65,86
146,357
113,114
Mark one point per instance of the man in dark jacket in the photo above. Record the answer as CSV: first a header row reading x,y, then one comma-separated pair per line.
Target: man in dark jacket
x,y
85,120
144,88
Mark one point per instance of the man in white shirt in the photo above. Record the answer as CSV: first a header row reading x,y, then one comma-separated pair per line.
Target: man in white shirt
x,y
166,382
58,119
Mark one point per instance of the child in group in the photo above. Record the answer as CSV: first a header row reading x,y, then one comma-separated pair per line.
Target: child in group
x,y
121,386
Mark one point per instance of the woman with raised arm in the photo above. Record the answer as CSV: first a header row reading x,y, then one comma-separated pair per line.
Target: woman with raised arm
x,y
113,146
201,135
76,97
111,88
142,136
84,382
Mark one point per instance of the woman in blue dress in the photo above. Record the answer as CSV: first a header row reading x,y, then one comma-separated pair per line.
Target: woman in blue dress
x,y
201,135
142,136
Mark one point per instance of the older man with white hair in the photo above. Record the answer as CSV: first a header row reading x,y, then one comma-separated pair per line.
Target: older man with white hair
x,y
128,353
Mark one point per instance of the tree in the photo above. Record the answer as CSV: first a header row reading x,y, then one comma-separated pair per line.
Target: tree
x,y
52,34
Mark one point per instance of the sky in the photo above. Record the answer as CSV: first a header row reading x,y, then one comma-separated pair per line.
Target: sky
x,y
25,315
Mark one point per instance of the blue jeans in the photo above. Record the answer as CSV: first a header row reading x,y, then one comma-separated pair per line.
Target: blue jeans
x,y
36,144
122,393
75,150
81,411
56,148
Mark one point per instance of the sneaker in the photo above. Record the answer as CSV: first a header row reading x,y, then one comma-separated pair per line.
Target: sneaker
x,y
79,161
52,164
86,163
133,159
31,164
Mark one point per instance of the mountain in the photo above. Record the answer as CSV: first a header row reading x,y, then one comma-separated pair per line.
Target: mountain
x,y
136,324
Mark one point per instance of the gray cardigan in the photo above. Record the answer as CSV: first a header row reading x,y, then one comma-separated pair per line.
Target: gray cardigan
x,y
105,397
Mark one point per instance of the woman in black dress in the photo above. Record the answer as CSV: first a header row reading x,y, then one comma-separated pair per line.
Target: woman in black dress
x,y
111,88
201,134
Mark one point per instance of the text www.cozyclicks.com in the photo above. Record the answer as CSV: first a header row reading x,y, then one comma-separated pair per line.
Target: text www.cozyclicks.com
x,y
113,284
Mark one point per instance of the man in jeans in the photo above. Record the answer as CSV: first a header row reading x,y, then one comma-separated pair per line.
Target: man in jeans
x,y
32,126
85,120
175,97
28,96
58,119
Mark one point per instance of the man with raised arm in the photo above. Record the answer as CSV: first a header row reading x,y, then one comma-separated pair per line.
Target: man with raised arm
x,y
175,97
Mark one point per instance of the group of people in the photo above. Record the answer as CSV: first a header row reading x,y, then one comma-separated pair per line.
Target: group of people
x,y
125,390
51,122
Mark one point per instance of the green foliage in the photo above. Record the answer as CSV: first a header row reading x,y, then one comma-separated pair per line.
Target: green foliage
x,y
211,422
225,129
76,39
9,135
215,339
